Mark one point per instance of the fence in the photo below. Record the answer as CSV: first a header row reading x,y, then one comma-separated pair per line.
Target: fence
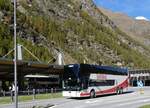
x,y
31,92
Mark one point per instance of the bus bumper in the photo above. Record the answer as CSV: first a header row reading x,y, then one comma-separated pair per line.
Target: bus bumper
x,y
71,94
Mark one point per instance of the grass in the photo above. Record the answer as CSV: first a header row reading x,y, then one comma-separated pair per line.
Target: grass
x,y
7,99
145,106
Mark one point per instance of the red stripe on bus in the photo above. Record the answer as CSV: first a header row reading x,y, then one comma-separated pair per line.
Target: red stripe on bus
x,y
112,90
85,94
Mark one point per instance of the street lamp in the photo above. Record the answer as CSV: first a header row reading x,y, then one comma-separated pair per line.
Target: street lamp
x,y
15,57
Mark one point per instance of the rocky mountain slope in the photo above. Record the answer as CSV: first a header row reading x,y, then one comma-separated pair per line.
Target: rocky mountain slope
x,y
75,27
137,29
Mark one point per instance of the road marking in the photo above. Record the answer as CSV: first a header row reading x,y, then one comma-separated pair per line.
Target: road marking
x,y
146,100
90,102
118,100
139,101
79,107
52,106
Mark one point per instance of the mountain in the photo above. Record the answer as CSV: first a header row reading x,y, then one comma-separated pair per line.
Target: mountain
x,y
138,28
78,28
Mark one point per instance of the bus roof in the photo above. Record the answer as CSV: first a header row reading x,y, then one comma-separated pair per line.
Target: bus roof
x,y
90,68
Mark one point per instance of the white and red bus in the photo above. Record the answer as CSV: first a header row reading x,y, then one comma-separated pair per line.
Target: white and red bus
x,y
85,80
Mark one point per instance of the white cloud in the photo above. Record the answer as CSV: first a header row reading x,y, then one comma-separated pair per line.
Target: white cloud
x,y
141,18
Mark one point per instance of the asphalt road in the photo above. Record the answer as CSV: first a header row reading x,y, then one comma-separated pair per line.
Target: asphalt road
x,y
133,99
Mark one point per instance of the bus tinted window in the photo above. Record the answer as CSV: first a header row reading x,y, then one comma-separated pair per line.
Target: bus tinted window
x,y
102,83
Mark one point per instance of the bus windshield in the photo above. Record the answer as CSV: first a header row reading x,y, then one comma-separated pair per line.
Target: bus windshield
x,y
72,84
73,80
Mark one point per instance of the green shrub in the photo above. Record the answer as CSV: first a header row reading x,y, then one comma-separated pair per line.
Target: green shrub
x,y
6,5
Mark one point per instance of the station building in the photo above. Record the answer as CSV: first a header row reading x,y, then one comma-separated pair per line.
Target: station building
x,y
35,73
140,74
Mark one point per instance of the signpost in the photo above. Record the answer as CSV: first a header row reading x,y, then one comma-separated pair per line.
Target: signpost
x,y
140,85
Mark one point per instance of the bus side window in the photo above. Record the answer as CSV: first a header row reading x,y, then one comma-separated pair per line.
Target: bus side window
x,y
92,83
102,83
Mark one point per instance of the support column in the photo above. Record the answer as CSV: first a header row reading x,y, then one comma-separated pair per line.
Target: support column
x,y
19,48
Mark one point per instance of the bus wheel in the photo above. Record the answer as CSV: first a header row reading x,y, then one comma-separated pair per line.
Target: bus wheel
x,y
92,94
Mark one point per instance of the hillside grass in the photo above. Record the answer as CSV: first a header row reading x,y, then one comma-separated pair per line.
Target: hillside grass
x,y
6,45
106,37
6,36
6,5
56,32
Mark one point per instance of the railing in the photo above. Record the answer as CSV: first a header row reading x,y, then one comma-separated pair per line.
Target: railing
x,y
31,92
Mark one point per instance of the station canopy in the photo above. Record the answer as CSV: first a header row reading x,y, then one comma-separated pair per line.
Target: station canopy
x,y
27,67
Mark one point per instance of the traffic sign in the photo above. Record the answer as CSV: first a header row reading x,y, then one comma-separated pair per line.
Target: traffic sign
x,y
140,83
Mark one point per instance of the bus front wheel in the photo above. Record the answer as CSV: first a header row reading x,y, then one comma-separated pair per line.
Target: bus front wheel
x,y
92,94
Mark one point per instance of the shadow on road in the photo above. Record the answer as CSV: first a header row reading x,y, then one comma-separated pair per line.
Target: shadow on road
x,y
81,98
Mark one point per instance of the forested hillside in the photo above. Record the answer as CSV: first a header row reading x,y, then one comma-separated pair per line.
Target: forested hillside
x,y
75,27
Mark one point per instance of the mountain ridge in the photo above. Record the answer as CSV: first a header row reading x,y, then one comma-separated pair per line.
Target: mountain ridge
x,y
137,29
78,29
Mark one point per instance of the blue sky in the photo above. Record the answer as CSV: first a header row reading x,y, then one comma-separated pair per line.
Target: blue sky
x,y
132,8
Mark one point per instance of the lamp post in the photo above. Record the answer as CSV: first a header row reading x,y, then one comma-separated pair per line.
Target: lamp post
x,y
15,57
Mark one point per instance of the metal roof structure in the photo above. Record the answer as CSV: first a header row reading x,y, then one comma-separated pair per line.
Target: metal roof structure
x,y
27,67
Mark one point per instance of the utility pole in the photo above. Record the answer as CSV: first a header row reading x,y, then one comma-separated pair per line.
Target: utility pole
x,y
15,57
